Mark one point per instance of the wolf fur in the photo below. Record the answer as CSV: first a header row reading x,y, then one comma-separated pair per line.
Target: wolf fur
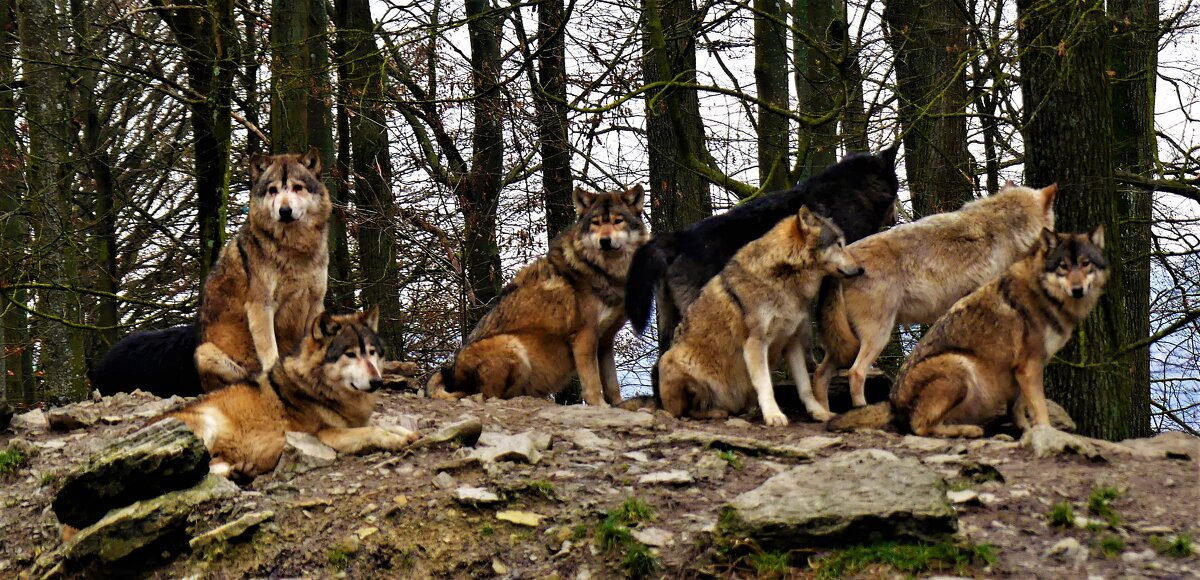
x,y
985,358
325,387
559,315
916,271
751,312
269,281
858,194
156,361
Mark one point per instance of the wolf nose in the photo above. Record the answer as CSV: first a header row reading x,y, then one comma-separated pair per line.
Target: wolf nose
x,y
855,271
285,214
606,243
1077,292
376,384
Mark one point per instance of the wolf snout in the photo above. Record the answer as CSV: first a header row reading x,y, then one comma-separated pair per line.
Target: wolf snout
x,y
285,214
1078,292
606,244
375,385
853,271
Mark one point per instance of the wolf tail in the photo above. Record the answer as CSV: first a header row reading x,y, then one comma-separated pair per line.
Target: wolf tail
x,y
157,361
837,336
877,416
647,268
444,385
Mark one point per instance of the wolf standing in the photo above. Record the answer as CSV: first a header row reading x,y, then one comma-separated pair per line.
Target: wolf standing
x,y
986,357
560,314
270,279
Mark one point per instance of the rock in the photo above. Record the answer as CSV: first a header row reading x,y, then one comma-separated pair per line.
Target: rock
x,y
587,440
124,531
303,452
498,567
738,423
963,496
465,431
520,518
6,414
1137,557
231,530
1169,445
1046,441
366,532
673,477
637,456
927,444
596,417
861,496
443,480
656,537
525,447
710,467
33,421
165,456
71,417
475,495
802,449
1068,549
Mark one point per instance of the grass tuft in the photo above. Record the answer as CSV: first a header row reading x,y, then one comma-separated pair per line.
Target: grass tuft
x,y
1180,546
11,460
339,558
1112,545
632,511
731,457
908,559
1100,504
1061,515
613,535
769,564
639,561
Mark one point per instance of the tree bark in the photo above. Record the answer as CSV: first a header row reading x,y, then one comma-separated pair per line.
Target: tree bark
x,y
16,358
550,98
820,33
1068,136
771,80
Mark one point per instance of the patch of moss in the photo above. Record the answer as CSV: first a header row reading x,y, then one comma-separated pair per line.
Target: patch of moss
x,y
731,457
543,487
769,564
339,558
11,460
486,530
1061,515
1180,546
904,558
632,511
579,531
1112,545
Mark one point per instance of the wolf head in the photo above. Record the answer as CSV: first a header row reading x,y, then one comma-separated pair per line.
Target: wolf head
x,y
610,221
1037,202
344,351
823,240
287,189
1073,265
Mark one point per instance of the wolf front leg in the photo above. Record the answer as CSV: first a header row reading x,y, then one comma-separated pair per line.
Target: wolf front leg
x,y
587,364
755,353
608,366
797,361
358,439
1030,375
260,317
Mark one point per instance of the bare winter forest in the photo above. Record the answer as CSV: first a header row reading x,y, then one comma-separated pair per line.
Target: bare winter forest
x,y
454,132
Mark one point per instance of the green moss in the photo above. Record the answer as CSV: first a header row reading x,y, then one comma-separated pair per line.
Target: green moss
x,y
731,457
579,532
1180,546
904,558
1100,504
1112,545
486,530
769,564
632,511
1061,515
611,534
339,558
543,487
11,460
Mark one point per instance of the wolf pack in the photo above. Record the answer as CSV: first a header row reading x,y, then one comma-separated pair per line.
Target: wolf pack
x,y
735,296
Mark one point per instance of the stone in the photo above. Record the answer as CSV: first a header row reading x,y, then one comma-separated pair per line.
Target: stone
x,y
443,480
465,431
673,477
963,496
637,456
71,417
1132,557
737,423
862,496
231,530
33,421
303,452
655,537
520,518
524,447
596,417
710,467
498,567
927,444
1169,445
124,531
1068,549
1046,441
475,496
587,440
802,449
165,456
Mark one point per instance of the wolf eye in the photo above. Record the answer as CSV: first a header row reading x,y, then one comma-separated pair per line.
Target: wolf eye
x,y
297,187
595,221
618,220
272,190
351,354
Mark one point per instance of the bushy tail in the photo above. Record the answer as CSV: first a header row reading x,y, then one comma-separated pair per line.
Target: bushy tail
x,y
647,268
837,336
444,384
877,416
158,361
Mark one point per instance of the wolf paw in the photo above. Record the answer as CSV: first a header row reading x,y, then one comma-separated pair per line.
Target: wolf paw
x,y
775,419
821,415
394,437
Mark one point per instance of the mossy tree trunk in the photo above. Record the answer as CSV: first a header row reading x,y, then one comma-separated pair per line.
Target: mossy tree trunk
x,y
1068,138
550,102
771,80
820,34
16,359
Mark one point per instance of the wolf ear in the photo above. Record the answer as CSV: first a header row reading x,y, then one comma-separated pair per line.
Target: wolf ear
x,y
889,154
806,222
634,197
1049,239
583,199
1096,236
258,164
311,160
371,318
324,326
1048,194
1008,184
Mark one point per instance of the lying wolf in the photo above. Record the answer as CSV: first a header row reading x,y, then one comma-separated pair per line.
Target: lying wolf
x,y
756,308
985,357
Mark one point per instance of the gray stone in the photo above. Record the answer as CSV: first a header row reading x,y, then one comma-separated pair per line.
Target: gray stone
x,y
465,431
637,456
710,467
1046,441
596,417
673,477
587,440
443,480
302,452
1169,445
656,537
72,417
475,496
862,496
525,447
165,456
33,421
231,530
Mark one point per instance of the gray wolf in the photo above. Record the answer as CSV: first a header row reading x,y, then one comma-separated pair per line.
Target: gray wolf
x,y
269,280
324,387
560,313
858,193
916,271
756,308
985,358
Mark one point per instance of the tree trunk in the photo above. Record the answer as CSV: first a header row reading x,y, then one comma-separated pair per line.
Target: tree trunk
x,y
929,40
550,98
1068,139
16,360
817,83
771,80
364,95
1134,59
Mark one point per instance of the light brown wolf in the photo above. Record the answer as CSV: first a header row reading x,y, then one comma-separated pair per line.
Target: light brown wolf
x,y
916,271
325,387
985,357
746,316
560,313
269,281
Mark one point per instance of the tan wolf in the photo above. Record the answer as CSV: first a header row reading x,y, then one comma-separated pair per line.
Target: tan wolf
x,y
269,281
746,316
559,315
325,387
916,271
985,357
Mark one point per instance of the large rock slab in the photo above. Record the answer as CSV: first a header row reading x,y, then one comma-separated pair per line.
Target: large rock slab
x,y
862,496
302,452
165,456
596,417
123,532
